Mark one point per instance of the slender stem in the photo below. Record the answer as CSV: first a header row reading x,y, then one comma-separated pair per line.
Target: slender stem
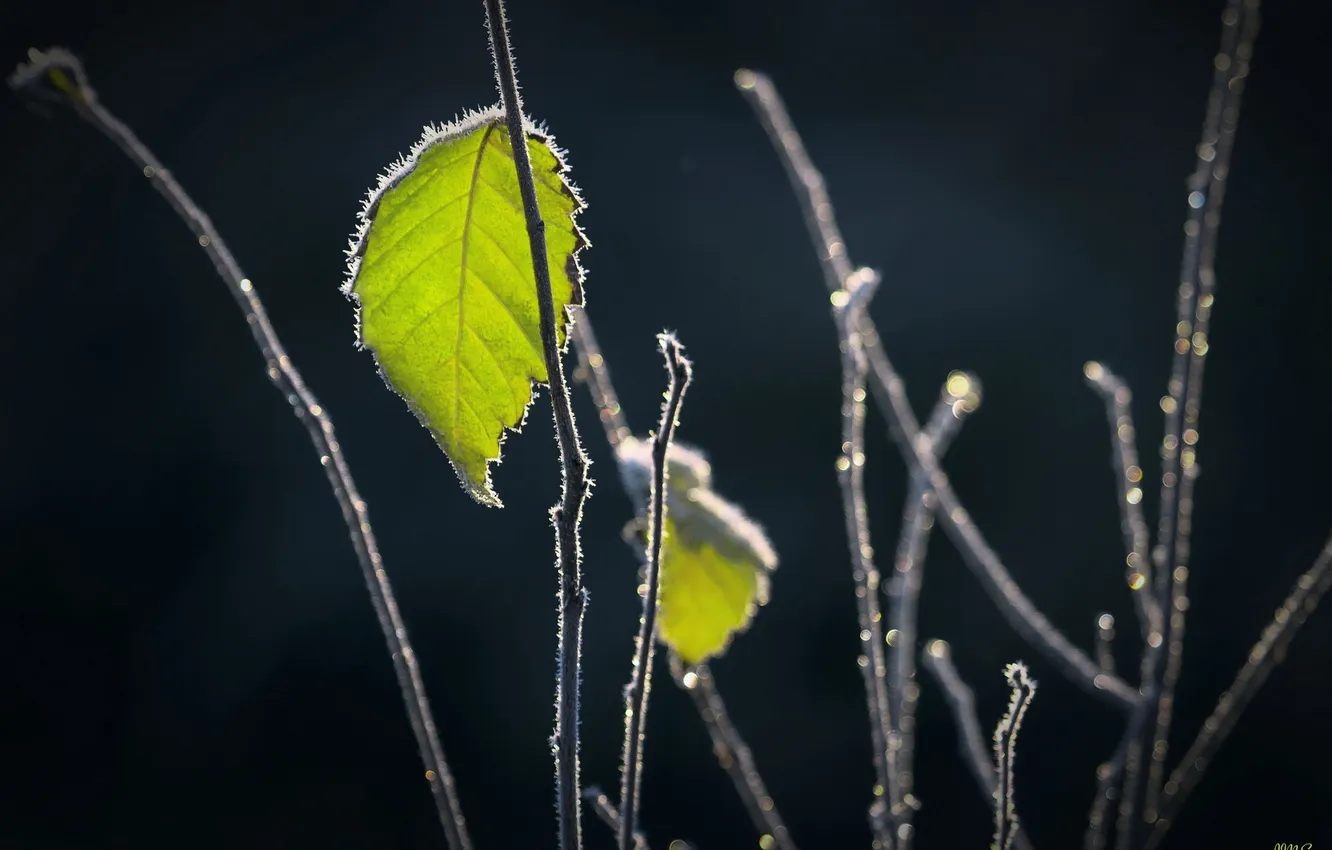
x,y
732,752
568,513
1107,779
1005,750
1268,652
962,703
609,815
1105,639
593,371
1196,294
890,393
849,303
728,744
1138,575
636,696
958,398
65,72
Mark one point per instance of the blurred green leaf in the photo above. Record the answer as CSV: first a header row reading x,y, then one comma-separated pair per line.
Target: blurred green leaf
x,y
715,560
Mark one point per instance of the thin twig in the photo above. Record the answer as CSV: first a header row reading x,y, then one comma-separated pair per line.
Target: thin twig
x,y
567,515
728,744
636,695
1197,284
1213,178
61,69
958,398
609,815
595,374
1118,400
1105,640
970,738
1268,652
1005,751
732,752
890,393
1107,779
848,304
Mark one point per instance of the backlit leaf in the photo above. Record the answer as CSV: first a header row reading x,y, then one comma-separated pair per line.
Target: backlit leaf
x,y
715,560
441,270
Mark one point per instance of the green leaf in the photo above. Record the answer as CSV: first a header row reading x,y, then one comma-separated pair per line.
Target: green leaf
x,y
715,560
441,271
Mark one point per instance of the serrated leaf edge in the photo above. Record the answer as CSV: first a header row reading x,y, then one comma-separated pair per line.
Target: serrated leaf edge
x,y
398,170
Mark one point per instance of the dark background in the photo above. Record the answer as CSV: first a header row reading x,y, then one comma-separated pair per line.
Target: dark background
x,y
187,655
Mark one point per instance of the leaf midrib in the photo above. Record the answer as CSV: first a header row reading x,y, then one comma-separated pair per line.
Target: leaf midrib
x,y
462,272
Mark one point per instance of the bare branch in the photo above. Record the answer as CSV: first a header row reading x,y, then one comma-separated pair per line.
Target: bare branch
x,y
958,398
1266,654
732,752
595,374
890,393
1107,779
849,304
1197,283
962,701
1105,636
1005,752
58,75
567,515
1123,437
636,695
605,810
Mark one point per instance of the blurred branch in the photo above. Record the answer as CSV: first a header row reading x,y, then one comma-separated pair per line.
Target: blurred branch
x,y
595,374
1197,284
56,75
732,752
1118,398
1268,652
1107,778
1105,637
890,393
849,305
958,398
607,813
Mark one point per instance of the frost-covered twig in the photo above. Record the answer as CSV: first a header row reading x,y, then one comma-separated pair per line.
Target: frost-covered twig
x,y
605,810
1107,779
1105,637
958,398
1197,283
58,75
1005,753
728,744
1265,655
567,515
732,753
849,304
890,393
593,371
636,695
1118,400
962,702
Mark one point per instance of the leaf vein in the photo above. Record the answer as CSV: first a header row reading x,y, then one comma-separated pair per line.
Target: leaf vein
x,y
381,252
397,284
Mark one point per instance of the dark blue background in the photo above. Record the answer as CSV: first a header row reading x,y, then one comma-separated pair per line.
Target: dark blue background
x,y
187,655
